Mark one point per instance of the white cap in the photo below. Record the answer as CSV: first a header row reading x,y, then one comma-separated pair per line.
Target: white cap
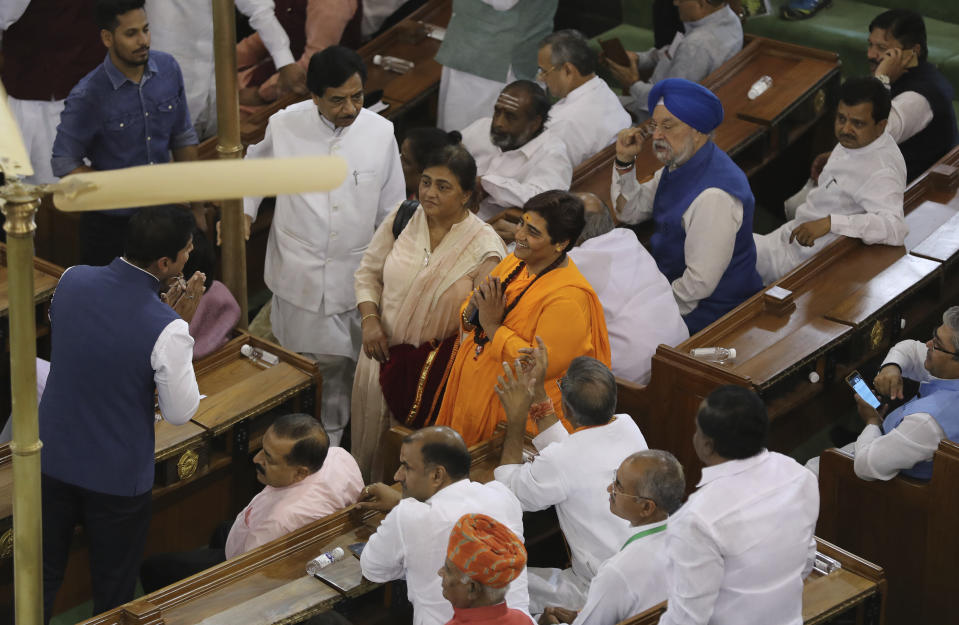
x,y
337,553
732,353
247,350
377,59
813,377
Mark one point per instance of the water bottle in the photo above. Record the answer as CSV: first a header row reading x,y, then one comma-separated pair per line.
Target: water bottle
x,y
759,87
255,355
713,354
392,63
324,560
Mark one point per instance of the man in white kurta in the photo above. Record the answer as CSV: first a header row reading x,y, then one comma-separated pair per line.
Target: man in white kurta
x,y
859,193
571,472
516,156
318,239
588,114
411,541
641,312
184,28
740,547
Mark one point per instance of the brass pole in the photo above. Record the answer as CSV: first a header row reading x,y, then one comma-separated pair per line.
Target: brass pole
x,y
229,146
21,205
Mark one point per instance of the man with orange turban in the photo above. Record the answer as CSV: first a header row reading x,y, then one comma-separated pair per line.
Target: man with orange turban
x,y
483,556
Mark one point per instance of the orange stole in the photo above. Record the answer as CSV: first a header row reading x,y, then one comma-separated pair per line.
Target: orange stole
x,y
562,309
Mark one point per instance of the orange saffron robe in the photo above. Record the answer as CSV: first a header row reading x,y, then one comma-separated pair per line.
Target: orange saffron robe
x,y
562,309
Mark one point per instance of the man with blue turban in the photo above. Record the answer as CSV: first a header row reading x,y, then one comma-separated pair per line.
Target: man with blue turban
x,y
700,202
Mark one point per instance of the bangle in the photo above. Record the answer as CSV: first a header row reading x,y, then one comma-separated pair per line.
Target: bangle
x,y
540,410
367,316
466,322
623,164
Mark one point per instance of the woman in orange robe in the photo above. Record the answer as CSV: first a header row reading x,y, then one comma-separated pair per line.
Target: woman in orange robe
x,y
545,295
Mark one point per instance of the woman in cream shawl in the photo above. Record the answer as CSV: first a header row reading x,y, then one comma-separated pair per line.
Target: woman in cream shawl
x,y
409,290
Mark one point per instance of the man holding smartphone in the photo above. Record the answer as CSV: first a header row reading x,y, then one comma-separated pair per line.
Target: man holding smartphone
x,y
904,440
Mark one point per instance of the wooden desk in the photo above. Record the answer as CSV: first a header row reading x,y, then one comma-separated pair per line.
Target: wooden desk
x,y
753,132
46,275
858,585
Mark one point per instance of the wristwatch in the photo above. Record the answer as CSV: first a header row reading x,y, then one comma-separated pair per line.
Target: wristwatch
x,y
884,80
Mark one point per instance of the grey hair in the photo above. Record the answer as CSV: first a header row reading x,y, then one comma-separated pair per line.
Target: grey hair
x,y
665,483
597,223
570,46
493,595
590,391
950,319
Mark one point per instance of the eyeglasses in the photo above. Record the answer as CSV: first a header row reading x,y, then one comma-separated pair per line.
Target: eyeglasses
x,y
541,73
561,384
617,489
936,343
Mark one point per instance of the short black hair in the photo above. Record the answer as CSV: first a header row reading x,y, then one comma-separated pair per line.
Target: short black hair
x,y
538,100
106,12
458,160
564,214
425,139
454,458
156,232
312,442
867,89
570,46
905,26
202,258
589,389
735,418
331,67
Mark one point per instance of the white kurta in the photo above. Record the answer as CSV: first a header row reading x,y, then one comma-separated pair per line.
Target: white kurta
x,y
411,543
588,119
184,28
638,303
572,472
318,239
513,177
861,189
740,547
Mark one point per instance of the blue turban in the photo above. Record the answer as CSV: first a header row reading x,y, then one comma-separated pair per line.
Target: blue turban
x,y
690,102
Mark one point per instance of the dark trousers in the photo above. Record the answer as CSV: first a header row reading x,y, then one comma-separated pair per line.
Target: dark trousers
x,y
116,531
163,569
101,237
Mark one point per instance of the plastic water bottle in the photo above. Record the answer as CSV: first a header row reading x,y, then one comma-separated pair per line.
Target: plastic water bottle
x,y
713,354
759,87
393,63
255,355
324,560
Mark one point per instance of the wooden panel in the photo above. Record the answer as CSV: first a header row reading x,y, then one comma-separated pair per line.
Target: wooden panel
x,y
793,77
46,275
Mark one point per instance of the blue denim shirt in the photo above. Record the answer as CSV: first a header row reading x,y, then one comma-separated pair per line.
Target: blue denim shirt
x,y
115,123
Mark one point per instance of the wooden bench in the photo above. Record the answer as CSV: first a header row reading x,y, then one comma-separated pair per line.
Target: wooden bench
x,y
858,585
906,526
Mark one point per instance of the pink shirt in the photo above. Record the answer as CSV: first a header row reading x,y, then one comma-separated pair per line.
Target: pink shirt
x,y
275,512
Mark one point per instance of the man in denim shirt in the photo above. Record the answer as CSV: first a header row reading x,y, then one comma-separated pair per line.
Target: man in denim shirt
x,y
130,110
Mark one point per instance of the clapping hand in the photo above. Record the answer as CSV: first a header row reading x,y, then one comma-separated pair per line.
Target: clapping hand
x,y
535,361
514,391
184,297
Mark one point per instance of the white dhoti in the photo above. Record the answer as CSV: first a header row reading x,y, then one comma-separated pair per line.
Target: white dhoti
x,y
557,588
776,256
465,97
38,120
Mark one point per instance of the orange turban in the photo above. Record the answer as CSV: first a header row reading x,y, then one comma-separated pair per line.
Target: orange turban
x,y
486,550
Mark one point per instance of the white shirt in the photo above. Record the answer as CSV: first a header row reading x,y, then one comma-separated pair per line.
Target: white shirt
x,y
588,119
910,114
637,300
711,223
375,13
184,28
411,543
317,240
511,178
742,544
630,582
914,440
572,474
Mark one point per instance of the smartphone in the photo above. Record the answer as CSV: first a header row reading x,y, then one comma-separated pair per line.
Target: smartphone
x,y
862,389
614,51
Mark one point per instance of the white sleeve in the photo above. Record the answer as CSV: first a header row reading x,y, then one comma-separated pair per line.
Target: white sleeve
x,y
881,456
10,12
637,204
909,115
910,356
883,222
695,572
263,149
383,559
552,171
538,484
607,594
393,191
711,223
172,362
264,22
555,433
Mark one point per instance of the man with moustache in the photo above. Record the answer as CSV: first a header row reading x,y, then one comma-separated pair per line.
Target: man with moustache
x,y
700,202
318,239
130,110
516,156
859,193
647,488
411,542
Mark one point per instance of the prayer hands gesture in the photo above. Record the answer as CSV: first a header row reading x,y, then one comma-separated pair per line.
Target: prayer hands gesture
x,y
630,142
515,393
490,300
889,382
625,75
184,296
379,497
894,62
553,616
807,233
